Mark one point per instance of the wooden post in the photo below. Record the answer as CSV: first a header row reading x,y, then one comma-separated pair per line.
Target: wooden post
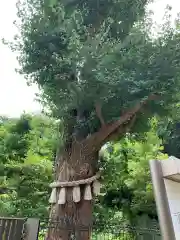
x,y
162,205
32,228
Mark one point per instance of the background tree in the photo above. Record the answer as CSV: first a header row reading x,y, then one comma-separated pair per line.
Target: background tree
x,y
129,188
89,56
24,178
168,131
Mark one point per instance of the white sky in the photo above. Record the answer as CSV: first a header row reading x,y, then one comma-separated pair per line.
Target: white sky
x,y
15,95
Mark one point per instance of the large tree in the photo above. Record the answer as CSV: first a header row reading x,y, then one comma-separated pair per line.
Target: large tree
x,y
99,72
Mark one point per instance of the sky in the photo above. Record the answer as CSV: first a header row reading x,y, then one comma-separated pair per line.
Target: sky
x,y
15,96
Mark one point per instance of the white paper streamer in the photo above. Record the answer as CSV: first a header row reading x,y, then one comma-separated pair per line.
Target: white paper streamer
x,y
76,194
62,196
96,188
87,193
53,199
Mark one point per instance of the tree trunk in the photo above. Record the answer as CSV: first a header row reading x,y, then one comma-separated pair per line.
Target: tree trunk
x,y
79,161
73,220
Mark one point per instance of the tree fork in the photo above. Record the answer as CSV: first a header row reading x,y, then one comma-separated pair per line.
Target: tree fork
x,y
98,139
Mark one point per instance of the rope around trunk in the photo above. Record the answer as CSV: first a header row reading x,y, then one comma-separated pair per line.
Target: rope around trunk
x,y
75,183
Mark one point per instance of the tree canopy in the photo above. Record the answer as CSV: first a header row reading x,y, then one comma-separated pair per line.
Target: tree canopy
x,y
81,53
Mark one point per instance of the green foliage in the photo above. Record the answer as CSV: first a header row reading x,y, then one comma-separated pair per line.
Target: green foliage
x,y
24,178
106,236
129,188
169,131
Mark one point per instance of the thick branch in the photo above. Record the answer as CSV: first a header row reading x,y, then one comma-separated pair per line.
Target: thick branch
x,y
123,129
106,131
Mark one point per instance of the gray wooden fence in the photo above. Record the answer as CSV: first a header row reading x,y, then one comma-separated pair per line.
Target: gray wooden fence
x,y
18,228
29,229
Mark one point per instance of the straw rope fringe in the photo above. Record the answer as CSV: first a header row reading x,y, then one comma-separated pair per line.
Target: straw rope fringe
x,y
76,193
75,183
